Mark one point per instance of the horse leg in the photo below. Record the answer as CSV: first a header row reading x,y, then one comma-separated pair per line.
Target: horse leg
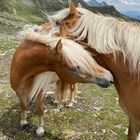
x,y
40,113
74,89
133,131
23,107
64,91
61,91
72,94
58,92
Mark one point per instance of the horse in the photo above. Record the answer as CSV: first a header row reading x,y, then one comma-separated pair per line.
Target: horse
x,y
40,59
114,44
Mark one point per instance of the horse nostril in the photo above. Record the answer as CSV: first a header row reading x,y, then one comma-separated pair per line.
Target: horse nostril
x,y
111,82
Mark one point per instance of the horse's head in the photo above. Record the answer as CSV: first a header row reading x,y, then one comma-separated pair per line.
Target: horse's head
x,y
67,18
74,64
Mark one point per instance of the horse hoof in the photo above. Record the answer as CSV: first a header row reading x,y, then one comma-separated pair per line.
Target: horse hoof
x,y
56,101
40,132
70,104
23,123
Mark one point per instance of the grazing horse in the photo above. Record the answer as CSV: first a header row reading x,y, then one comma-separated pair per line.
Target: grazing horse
x,y
115,45
38,57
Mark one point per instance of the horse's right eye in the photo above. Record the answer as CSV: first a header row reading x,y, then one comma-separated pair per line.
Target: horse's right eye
x,y
57,22
73,69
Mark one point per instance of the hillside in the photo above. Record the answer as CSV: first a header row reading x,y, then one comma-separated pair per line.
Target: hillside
x,y
20,10
105,10
31,10
55,5
97,4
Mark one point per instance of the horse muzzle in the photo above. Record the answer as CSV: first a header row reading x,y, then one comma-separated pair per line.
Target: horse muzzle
x,y
102,82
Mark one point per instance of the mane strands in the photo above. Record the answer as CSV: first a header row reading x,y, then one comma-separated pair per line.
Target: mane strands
x,y
109,35
59,15
46,39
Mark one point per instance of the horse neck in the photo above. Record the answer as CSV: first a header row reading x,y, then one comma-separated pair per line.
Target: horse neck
x,y
39,56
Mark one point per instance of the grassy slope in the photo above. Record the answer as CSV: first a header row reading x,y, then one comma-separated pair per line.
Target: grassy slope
x,y
11,21
24,12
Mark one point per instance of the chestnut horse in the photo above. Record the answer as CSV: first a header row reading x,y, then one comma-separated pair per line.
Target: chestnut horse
x,y
38,57
114,44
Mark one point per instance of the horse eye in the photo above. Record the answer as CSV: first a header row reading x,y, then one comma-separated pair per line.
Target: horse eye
x,y
73,68
57,22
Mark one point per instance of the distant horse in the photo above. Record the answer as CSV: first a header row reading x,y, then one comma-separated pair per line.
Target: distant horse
x,y
115,45
34,63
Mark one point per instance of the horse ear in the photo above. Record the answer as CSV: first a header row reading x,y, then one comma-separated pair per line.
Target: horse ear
x,y
58,47
73,10
79,5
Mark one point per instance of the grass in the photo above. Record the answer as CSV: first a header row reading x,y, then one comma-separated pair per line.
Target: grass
x,y
109,123
7,45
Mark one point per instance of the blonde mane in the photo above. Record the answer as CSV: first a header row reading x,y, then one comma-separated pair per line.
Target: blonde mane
x,y
108,35
60,15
